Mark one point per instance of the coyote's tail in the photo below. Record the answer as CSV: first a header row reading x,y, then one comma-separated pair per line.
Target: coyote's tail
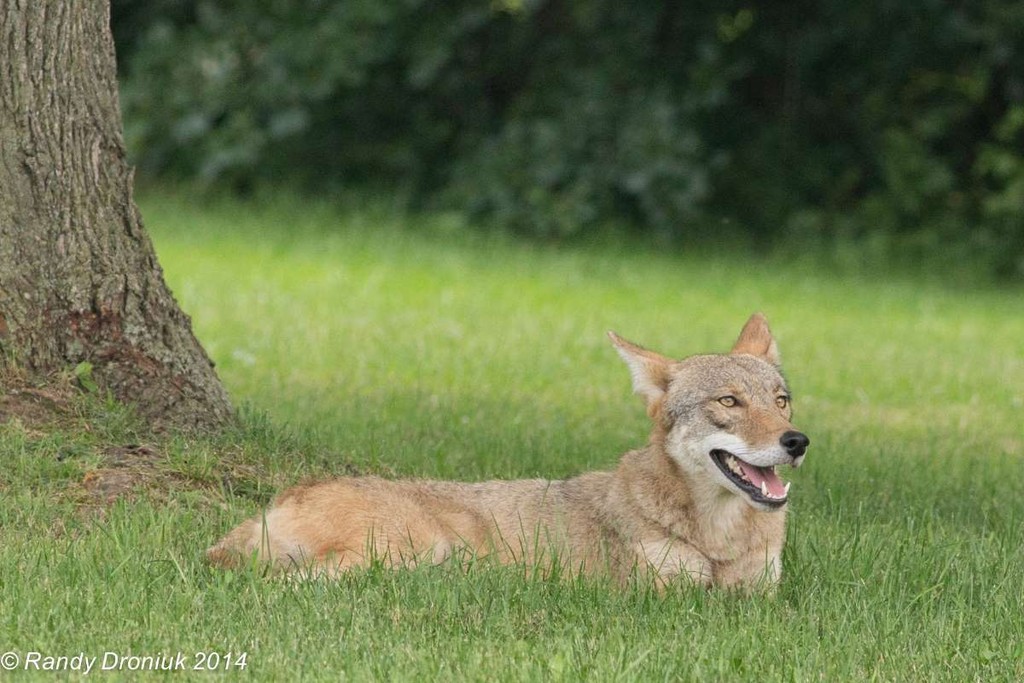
x,y
232,550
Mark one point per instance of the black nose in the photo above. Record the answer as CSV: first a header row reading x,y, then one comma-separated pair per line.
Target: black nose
x,y
795,443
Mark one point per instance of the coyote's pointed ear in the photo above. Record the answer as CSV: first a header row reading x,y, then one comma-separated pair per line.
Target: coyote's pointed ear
x,y
649,370
757,340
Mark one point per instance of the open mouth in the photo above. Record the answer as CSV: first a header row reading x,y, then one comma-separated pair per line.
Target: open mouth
x,y
760,483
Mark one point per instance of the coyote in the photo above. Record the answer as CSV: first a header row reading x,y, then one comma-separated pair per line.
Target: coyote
x,y
701,502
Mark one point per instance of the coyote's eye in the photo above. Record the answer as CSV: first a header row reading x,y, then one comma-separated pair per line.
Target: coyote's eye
x,y
728,401
782,401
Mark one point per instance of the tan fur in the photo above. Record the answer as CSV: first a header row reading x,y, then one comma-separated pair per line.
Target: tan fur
x,y
665,510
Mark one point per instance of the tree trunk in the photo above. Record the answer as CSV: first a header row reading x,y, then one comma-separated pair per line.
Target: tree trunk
x,y
79,280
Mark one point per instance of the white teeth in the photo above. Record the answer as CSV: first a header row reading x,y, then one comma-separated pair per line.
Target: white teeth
x,y
764,492
734,465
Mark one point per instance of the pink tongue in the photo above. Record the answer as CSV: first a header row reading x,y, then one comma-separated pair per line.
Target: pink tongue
x,y
756,475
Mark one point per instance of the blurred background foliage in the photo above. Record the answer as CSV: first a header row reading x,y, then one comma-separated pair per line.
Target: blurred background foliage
x,y
893,126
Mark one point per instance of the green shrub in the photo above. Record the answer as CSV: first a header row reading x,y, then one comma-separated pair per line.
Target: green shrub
x,y
834,122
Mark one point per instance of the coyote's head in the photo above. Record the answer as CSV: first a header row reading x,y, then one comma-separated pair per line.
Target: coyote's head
x,y
724,419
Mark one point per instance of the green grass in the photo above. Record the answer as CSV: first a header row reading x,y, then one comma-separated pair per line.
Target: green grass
x,y
355,337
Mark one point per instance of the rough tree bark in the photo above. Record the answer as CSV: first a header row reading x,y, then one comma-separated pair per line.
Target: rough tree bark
x,y
79,280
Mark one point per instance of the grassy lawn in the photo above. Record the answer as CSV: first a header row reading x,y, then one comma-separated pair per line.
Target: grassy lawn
x,y
356,340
